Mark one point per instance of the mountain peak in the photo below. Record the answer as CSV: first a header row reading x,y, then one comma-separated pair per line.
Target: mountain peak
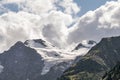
x,y
99,59
80,45
110,39
85,44
19,43
91,42
21,61
38,43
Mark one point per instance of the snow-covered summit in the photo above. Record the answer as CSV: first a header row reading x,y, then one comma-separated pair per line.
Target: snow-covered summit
x,y
53,60
85,44
53,55
38,43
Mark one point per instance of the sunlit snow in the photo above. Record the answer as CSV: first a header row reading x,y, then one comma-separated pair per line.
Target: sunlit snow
x,y
53,55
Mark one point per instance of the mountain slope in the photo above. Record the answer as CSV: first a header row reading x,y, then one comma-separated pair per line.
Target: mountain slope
x,y
85,44
21,63
26,63
54,56
96,62
36,60
113,74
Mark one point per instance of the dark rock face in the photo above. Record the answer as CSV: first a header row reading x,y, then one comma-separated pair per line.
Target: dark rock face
x,y
79,46
39,41
55,72
99,59
24,63
91,42
113,74
21,63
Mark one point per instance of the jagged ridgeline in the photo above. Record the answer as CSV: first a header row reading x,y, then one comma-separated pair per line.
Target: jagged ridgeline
x,y
98,61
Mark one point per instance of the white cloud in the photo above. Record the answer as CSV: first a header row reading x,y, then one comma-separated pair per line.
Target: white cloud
x,y
103,22
39,6
55,29
29,19
69,6
49,19
22,26
12,1
44,6
17,27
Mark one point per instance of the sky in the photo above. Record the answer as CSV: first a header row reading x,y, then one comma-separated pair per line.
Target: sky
x,y
60,22
87,5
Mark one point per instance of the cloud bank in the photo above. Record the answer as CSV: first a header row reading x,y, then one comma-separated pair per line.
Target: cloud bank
x,y
49,19
103,22
31,19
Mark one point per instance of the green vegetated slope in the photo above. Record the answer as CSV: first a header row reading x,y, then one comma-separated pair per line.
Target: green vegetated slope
x,y
100,59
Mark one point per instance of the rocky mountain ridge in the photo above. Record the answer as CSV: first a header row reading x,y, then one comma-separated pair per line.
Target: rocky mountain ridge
x,y
35,60
100,59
